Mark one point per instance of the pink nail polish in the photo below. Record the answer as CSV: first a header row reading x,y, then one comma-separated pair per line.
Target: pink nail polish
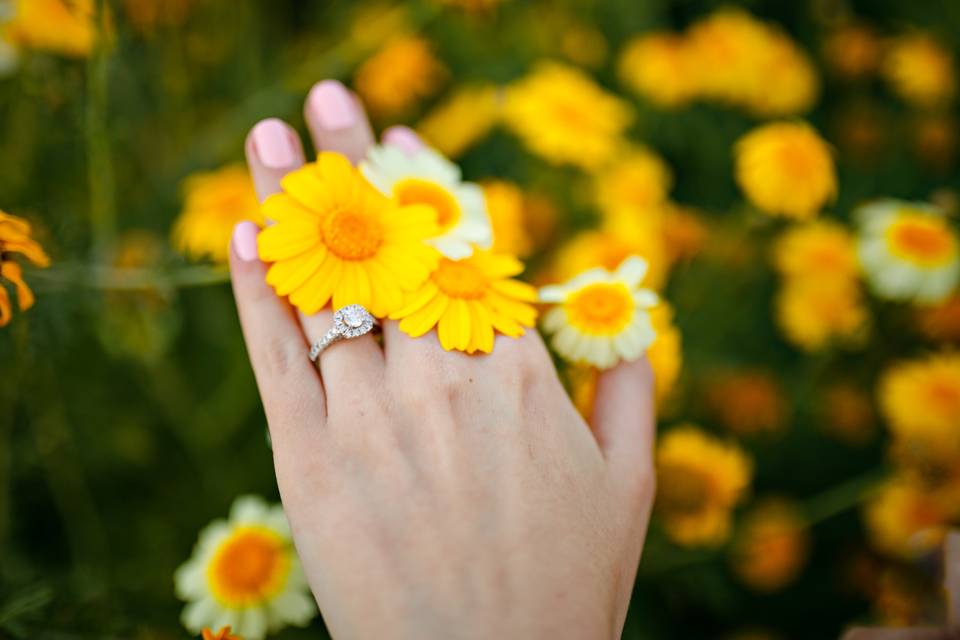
x,y
245,241
333,105
273,145
404,138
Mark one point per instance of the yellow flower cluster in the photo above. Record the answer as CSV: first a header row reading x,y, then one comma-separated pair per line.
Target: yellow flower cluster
x,y
820,299
728,57
462,119
337,238
921,71
16,238
402,72
700,481
64,27
772,545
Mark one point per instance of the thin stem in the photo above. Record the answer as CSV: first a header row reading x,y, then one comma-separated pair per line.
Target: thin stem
x,y
842,497
107,278
99,164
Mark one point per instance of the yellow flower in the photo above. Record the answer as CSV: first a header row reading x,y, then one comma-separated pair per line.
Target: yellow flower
x,y
336,237
214,202
222,634
601,317
700,479
506,206
659,67
788,82
462,120
15,238
920,400
907,519
665,354
427,178
921,70
467,300
244,573
853,50
64,27
941,322
812,314
639,179
396,77
747,402
771,548
908,251
820,250
563,116
786,169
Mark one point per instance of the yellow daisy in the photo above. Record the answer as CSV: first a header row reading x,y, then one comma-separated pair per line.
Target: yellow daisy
x,y
244,573
786,169
700,479
920,400
821,250
659,67
771,547
429,179
908,251
337,238
907,519
601,317
461,120
507,207
64,27
214,202
921,70
638,179
467,300
563,116
401,73
812,314
15,239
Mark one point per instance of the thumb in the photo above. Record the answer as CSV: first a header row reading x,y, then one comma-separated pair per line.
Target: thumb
x,y
623,422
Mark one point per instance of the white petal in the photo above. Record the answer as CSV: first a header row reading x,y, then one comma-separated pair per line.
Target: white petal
x,y
247,509
292,607
646,298
200,614
252,624
453,248
632,270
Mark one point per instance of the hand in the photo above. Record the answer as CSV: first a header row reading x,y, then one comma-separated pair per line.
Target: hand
x,y
434,494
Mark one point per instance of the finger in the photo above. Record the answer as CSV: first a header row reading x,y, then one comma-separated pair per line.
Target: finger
x,y
337,121
623,421
289,386
273,150
405,138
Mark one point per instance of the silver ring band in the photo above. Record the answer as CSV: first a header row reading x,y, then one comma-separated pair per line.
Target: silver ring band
x,y
351,321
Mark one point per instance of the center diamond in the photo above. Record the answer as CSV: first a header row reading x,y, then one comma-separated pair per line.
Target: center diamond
x,y
353,316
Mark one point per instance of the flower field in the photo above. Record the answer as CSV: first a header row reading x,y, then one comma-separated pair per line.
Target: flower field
x,y
760,196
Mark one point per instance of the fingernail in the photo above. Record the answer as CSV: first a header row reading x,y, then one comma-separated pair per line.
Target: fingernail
x,y
245,240
273,145
404,138
333,105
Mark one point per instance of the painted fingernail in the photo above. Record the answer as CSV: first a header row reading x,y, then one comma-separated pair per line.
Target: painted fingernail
x,y
333,105
404,138
245,240
272,142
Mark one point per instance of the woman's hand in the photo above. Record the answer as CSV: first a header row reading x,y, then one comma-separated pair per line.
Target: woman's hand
x,y
434,494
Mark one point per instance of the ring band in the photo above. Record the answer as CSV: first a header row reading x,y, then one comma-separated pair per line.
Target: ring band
x,y
351,321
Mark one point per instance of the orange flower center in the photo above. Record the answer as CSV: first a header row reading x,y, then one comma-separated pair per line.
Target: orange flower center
x,y
681,490
922,240
351,234
416,191
600,309
460,279
250,566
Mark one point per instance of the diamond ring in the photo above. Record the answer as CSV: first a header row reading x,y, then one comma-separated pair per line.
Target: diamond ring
x,y
351,321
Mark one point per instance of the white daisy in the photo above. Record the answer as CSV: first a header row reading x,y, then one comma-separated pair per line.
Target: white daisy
x,y
426,177
244,573
908,251
601,317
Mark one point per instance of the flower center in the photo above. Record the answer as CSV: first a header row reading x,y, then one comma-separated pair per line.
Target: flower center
x,y
417,191
600,309
250,566
681,490
460,279
925,241
352,234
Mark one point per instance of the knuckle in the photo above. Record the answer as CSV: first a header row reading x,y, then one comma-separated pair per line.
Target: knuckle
x,y
279,356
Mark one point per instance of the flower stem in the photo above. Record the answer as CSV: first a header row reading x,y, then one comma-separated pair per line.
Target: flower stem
x,y
99,164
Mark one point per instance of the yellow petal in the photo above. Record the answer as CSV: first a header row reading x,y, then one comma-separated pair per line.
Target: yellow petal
x,y
516,289
287,275
281,207
425,318
315,292
286,240
415,301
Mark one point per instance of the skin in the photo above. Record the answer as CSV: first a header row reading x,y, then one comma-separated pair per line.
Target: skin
x,y
434,494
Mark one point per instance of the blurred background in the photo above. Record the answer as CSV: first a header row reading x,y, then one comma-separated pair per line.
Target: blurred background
x,y
129,417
